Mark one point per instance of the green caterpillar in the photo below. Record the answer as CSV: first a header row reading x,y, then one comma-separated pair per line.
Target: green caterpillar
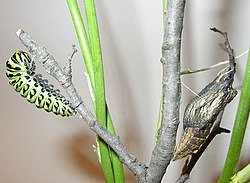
x,y
22,76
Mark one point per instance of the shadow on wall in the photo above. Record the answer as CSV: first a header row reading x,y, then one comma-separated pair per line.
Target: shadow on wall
x,y
82,157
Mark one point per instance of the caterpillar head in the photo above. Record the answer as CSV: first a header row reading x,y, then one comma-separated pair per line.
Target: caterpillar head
x,y
23,59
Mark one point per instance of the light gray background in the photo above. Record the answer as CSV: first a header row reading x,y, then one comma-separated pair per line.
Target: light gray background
x,y
36,146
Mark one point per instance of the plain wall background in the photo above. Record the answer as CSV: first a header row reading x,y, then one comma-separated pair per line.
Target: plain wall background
x,y
36,146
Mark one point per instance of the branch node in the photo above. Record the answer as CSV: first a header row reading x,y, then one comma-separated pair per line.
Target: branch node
x,y
67,69
167,46
163,60
92,123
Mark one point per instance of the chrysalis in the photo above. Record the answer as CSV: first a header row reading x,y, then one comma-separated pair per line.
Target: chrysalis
x,y
202,111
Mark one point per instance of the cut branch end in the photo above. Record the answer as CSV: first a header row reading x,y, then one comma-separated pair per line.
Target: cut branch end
x,y
19,32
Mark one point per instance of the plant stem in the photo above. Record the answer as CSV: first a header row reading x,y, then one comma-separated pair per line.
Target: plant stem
x,y
82,37
99,88
164,3
239,128
171,90
111,165
108,156
190,71
242,176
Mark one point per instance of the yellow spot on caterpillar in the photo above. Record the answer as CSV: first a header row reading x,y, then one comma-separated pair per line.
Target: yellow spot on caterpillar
x,y
32,92
26,87
13,65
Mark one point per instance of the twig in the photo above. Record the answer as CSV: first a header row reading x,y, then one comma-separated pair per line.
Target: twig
x,y
67,69
190,71
228,47
171,90
183,178
52,67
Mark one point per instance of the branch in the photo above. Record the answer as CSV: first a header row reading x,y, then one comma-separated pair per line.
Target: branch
x,y
171,90
52,67
228,47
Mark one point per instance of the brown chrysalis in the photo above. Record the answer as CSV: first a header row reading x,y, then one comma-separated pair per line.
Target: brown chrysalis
x,y
202,111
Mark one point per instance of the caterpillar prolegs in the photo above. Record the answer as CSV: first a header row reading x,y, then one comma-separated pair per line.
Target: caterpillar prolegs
x,y
22,76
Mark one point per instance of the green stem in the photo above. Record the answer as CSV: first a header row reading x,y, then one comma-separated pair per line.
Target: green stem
x,y
96,54
190,71
110,162
164,9
242,176
82,37
164,3
116,163
239,128
158,122
91,50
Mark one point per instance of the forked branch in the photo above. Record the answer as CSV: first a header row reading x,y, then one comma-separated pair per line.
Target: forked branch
x,y
64,78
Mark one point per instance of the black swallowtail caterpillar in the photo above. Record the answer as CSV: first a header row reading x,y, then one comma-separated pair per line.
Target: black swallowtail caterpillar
x,y
22,76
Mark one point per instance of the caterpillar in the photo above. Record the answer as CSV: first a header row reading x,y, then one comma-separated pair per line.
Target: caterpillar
x,y
21,74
